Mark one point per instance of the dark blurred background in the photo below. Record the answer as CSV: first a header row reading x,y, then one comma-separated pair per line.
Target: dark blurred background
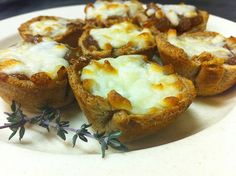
x,y
8,8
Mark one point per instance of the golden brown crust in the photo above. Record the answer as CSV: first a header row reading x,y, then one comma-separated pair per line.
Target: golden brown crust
x,y
210,75
212,80
104,117
202,26
94,52
70,37
107,23
36,92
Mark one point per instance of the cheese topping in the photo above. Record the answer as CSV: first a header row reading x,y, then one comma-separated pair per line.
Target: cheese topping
x,y
194,46
28,58
150,12
143,84
122,34
49,27
172,12
104,9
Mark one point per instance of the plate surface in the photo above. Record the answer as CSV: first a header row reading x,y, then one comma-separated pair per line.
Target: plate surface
x,y
202,141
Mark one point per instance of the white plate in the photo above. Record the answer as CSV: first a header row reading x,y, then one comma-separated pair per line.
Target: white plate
x,y
201,142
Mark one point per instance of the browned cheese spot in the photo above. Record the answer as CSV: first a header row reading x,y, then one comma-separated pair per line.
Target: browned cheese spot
x,y
130,28
153,110
159,14
99,17
158,86
87,72
60,46
232,40
117,101
48,29
130,44
112,6
109,68
168,69
172,32
156,67
107,46
146,36
171,101
88,84
215,61
8,63
178,84
106,67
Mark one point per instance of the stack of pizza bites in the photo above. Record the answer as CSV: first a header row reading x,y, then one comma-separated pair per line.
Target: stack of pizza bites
x,y
121,88
108,60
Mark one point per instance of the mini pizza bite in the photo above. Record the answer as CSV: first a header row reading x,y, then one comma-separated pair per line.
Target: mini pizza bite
x,y
35,75
182,17
118,39
108,12
130,94
61,30
207,58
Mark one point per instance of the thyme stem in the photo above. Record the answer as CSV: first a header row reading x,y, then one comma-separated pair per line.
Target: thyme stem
x,y
6,126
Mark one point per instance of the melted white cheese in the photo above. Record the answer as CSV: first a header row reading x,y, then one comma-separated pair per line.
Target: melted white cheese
x,y
172,12
134,80
197,45
49,27
150,12
46,56
104,9
119,35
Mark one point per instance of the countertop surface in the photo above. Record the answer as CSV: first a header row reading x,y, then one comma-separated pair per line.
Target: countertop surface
x,y
9,8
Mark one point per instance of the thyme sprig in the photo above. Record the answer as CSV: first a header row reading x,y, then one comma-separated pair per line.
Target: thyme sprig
x,y
50,118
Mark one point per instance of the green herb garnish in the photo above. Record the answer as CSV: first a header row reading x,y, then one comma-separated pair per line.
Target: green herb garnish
x,y
50,118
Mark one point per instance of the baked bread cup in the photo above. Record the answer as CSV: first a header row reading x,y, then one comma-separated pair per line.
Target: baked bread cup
x,y
118,39
182,17
129,94
35,75
61,30
107,12
207,58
